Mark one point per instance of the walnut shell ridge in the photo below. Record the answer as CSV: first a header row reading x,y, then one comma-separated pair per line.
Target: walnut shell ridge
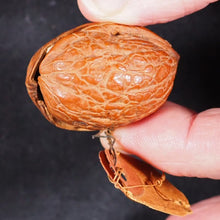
x,y
101,75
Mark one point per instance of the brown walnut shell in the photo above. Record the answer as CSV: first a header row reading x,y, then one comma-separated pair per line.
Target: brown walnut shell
x,y
142,183
101,75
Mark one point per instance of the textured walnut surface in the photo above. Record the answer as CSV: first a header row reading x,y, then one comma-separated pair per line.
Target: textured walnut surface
x,y
102,76
142,183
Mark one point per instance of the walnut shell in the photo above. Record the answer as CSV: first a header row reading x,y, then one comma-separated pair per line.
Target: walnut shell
x,y
101,75
142,183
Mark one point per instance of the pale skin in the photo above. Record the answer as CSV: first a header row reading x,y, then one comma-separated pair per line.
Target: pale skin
x,y
174,139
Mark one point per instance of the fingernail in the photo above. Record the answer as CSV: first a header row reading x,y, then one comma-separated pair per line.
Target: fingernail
x,y
109,8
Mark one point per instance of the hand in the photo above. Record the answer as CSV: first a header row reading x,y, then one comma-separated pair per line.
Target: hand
x,y
180,142
174,139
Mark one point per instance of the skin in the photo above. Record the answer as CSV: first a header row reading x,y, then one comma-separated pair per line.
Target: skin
x,y
141,12
174,134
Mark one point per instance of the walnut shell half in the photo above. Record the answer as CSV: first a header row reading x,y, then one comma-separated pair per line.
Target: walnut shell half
x,y
101,75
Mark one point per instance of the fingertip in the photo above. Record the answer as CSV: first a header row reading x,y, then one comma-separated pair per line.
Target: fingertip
x,y
109,11
86,11
176,140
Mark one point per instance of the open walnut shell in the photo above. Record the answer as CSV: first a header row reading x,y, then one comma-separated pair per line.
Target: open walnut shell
x,y
144,184
101,75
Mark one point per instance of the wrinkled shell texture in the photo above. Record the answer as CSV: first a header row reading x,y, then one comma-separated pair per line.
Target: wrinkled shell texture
x,y
144,184
102,75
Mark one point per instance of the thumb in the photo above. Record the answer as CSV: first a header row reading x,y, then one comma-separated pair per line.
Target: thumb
x,y
175,140
142,12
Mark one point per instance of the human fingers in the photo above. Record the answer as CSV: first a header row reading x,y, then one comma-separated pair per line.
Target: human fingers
x,y
206,209
175,140
142,12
